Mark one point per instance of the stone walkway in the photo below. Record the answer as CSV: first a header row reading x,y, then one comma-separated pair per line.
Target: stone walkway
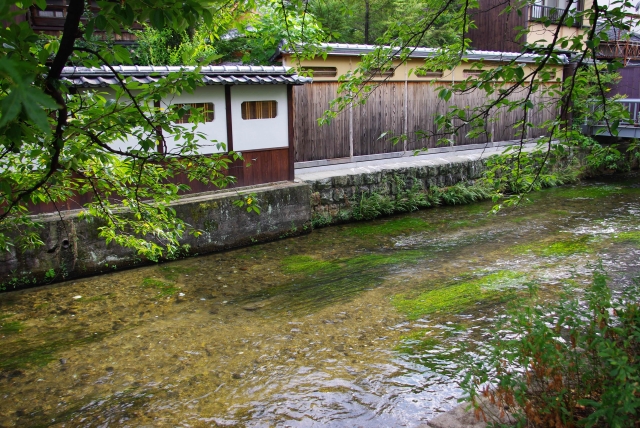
x,y
427,159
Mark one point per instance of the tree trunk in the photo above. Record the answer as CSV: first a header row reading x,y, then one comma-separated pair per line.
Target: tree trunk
x,y
366,22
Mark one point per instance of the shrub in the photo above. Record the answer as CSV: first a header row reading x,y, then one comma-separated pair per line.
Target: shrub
x,y
461,193
411,199
372,205
573,363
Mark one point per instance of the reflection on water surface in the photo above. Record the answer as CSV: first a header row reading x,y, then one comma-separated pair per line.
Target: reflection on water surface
x,y
355,325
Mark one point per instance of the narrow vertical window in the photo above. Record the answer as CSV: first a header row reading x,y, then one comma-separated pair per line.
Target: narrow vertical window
x,y
259,109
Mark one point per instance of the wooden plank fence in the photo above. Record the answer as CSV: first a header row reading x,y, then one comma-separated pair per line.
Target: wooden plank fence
x,y
385,111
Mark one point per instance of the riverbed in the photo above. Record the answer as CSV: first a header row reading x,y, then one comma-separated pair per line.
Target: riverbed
x,y
358,325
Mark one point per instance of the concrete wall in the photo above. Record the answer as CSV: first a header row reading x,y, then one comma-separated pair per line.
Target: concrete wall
x,y
73,248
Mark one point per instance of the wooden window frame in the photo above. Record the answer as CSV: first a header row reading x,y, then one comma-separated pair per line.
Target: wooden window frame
x,y
209,114
376,72
259,110
322,71
472,73
429,74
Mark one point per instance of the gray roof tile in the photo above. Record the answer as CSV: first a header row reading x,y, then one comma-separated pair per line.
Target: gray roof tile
x,y
211,75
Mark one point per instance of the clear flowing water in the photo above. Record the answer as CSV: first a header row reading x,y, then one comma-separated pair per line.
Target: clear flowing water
x,y
358,325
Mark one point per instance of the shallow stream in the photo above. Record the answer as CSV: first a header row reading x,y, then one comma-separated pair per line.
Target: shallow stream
x,y
359,325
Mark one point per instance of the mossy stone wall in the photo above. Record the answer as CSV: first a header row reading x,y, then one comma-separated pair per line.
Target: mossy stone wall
x,y
333,195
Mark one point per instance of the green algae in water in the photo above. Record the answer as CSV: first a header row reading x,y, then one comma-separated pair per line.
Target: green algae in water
x,y
631,236
23,354
308,265
590,191
560,248
401,257
164,289
173,272
97,298
432,348
104,411
417,342
318,283
390,227
11,327
312,266
459,296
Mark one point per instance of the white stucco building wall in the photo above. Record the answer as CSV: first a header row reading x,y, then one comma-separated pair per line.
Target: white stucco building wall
x,y
216,130
256,134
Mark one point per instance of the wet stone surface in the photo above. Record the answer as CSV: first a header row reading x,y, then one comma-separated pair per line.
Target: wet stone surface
x,y
357,325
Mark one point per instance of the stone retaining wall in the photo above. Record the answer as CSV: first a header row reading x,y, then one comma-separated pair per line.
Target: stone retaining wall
x,y
333,196
72,247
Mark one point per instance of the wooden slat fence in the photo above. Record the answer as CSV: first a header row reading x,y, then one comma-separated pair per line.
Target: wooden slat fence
x,y
318,142
385,112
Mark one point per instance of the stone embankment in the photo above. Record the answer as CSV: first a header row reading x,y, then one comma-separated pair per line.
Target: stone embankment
x,y
73,248
332,196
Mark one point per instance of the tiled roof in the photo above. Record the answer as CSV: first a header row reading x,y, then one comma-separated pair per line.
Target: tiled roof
x,y
211,75
355,50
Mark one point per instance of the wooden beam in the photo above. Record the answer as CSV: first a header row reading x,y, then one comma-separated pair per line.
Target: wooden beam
x,y
290,119
227,102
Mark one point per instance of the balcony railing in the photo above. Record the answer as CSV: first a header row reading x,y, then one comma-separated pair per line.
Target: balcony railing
x,y
553,14
631,105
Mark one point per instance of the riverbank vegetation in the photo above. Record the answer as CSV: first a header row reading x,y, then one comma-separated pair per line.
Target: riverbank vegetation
x,y
572,363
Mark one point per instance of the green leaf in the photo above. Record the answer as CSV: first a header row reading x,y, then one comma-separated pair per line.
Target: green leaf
x,y
519,71
101,22
10,108
8,67
122,54
33,103
445,94
157,18
42,4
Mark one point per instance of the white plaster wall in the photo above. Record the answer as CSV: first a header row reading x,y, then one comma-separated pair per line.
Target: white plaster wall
x,y
258,134
125,144
216,131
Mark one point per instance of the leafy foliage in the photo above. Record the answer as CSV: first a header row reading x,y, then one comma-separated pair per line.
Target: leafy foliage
x,y
367,21
58,144
574,363
168,47
509,87
259,34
